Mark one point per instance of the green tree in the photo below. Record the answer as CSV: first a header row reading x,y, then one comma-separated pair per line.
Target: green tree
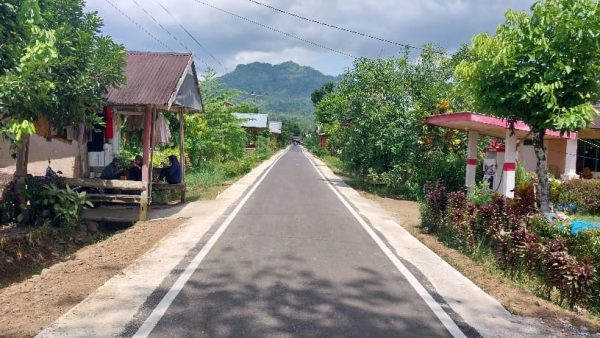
x,y
318,94
217,134
55,64
542,68
375,120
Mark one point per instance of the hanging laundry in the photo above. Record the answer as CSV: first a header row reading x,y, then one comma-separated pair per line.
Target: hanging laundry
x,y
108,120
162,133
135,122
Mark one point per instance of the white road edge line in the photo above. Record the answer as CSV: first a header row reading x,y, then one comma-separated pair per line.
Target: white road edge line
x,y
164,304
420,289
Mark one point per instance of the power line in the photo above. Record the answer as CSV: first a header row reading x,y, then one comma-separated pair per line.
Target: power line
x,y
139,26
278,31
347,30
190,34
168,32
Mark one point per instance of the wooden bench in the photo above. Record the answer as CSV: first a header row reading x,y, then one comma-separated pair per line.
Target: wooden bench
x,y
141,198
170,187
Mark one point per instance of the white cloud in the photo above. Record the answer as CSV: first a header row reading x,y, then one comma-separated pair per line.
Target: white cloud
x,y
232,40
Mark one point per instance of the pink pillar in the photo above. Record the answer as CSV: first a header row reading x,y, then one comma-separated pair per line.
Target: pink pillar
x,y
146,144
510,165
471,159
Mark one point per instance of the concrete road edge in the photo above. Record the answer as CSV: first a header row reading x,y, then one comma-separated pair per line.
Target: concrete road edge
x,y
107,311
480,310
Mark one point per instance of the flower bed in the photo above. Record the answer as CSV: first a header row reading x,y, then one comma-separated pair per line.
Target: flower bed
x,y
525,245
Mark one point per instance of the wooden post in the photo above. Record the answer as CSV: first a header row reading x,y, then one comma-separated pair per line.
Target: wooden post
x,y
146,151
182,152
152,145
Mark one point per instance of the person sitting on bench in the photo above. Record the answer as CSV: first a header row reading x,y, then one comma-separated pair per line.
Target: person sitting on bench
x,y
172,173
134,171
111,171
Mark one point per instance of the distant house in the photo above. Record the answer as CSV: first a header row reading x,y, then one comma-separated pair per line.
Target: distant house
x,y
254,123
275,129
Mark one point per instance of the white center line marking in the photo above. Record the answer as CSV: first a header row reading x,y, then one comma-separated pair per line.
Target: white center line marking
x,y
161,308
450,325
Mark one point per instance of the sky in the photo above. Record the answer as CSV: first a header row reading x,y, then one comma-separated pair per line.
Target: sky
x,y
222,41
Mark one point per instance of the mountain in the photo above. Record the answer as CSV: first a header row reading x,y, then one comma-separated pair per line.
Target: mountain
x,y
283,88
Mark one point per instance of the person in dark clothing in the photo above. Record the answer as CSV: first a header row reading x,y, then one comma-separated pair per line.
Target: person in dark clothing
x,y
134,172
111,171
172,173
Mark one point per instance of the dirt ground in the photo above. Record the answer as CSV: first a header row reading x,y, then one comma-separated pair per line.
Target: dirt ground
x,y
29,306
515,299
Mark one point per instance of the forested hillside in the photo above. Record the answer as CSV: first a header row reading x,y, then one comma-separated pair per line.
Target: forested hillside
x,y
283,88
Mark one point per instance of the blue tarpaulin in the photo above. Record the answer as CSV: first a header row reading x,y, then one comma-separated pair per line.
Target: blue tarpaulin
x,y
578,226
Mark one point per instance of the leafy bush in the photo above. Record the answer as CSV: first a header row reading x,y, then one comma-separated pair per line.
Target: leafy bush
x,y
436,201
480,194
523,176
65,205
525,242
586,245
585,194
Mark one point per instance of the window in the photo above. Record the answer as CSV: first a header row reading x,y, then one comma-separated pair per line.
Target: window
x,y
588,155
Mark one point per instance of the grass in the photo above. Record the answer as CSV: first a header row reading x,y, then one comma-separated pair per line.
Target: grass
x,y
212,178
589,217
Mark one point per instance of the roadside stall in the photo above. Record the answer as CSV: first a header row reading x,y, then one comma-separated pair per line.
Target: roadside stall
x,y
157,82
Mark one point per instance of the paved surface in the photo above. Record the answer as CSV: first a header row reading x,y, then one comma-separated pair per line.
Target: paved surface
x,y
295,262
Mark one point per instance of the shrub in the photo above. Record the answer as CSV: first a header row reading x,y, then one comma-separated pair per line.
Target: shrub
x,y
547,229
462,217
65,205
522,176
436,201
586,245
524,202
480,194
585,194
564,272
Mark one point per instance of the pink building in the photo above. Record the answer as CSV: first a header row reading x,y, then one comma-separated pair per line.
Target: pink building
x,y
561,150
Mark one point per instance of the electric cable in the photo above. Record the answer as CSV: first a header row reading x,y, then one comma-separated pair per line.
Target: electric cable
x,y
139,26
190,34
169,32
277,30
343,29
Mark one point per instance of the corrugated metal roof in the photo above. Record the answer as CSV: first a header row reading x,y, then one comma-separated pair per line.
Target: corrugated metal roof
x,y
152,78
253,120
275,127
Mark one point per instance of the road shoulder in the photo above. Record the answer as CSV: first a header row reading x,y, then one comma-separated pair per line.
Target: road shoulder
x,y
473,305
108,310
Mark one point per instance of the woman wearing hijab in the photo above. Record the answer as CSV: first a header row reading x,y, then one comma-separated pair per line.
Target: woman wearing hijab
x,y
172,173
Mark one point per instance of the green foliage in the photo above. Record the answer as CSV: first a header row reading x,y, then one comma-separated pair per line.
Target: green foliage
x,y
217,134
522,176
481,194
585,194
65,204
526,244
375,120
538,69
58,64
541,68
286,87
318,94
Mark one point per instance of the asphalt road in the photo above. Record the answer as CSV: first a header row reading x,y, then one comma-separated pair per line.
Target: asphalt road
x,y
295,262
